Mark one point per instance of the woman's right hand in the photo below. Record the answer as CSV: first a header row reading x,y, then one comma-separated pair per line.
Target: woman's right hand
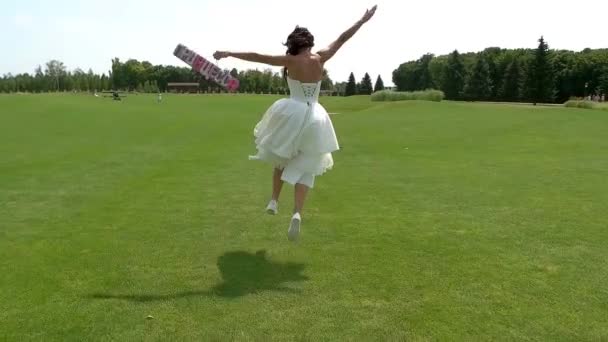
x,y
369,14
331,50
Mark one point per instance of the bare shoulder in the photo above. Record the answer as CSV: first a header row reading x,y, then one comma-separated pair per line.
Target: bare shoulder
x,y
316,57
292,60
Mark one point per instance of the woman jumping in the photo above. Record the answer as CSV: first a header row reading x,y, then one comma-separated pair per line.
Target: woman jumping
x,y
296,134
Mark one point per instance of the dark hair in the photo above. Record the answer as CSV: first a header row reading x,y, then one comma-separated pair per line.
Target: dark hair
x,y
297,41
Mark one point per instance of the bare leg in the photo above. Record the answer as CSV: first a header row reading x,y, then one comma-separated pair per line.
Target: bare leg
x,y
294,226
277,184
300,193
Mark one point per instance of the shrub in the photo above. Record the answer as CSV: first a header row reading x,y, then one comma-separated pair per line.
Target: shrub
x,y
426,95
580,104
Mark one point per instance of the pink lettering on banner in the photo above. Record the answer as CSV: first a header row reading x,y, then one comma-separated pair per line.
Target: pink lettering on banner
x,y
209,70
232,84
198,63
205,69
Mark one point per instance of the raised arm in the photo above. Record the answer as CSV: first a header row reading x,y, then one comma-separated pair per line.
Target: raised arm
x,y
331,50
254,57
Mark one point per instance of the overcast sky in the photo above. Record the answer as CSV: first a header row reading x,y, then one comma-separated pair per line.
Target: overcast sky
x,y
88,34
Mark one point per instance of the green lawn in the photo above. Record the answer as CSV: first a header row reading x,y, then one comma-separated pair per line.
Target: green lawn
x,y
440,221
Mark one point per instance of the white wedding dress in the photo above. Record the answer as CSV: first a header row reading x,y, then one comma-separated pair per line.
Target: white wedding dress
x,y
297,135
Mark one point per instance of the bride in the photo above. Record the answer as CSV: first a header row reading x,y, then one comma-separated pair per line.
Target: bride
x,y
295,134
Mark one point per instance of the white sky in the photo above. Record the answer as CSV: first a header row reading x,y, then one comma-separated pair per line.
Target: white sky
x,y
88,34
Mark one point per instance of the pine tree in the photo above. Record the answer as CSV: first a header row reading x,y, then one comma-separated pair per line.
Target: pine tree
x,y
492,57
455,73
512,82
541,87
478,86
39,80
379,84
351,86
365,87
105,82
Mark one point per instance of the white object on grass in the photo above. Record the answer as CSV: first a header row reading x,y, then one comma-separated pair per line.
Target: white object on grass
x,y
273,207
294,227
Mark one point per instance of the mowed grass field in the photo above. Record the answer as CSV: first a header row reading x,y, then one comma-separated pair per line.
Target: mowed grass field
x,y
136,220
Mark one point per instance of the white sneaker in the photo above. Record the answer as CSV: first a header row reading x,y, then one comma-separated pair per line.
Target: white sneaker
x,y
273,207
294,227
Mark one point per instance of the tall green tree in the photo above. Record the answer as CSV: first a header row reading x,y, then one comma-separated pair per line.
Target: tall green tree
x,y
455,75
379,84
134,73
479,84
351,86
11,84
79,81
512,82
437,69
118,78
56,72
326,82
405,76
90,80
564,65
104,83
541,86
493,58
366,85
415,75
39,84
423,73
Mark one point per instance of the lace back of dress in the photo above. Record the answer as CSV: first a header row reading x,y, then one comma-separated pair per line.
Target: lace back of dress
x,y
304,91
309,90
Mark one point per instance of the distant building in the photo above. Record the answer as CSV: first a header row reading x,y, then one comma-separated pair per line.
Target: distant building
x,y
183,87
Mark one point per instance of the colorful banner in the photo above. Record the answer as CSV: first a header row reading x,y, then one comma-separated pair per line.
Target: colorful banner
x,y
209,70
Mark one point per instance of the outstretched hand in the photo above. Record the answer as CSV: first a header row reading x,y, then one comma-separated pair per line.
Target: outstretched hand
x,y
369,14
220,54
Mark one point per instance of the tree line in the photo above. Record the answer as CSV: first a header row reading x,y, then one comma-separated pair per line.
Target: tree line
x,y
142,76
364,87
494,74
515,75
55,77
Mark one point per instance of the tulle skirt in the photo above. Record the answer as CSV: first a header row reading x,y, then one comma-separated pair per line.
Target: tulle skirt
x,y
296,135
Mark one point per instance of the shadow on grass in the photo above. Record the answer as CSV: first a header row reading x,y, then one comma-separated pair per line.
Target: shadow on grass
x,y
242,273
